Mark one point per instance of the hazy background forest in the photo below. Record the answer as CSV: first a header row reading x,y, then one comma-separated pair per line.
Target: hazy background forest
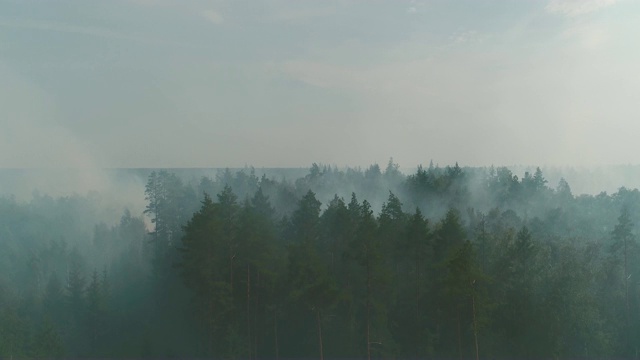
x,y
322,262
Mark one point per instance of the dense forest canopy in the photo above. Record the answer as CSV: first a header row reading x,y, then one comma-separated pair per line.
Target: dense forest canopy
x,y
445,262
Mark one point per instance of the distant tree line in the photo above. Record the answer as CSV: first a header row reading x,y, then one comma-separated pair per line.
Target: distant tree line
x,y
443,263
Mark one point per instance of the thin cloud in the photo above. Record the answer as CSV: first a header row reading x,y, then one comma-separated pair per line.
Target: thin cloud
x,y
213,17
47,26
150,2
590,36
415,7
292,15
61,27
573,8
75,29
467,36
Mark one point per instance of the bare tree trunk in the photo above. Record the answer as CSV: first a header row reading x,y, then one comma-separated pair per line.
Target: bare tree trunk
x,y
231,256
459,336
275,330
475,325
319,333
209,321
368,311
626,281
418,302
210,326
256,303
626,296
249,309
484,240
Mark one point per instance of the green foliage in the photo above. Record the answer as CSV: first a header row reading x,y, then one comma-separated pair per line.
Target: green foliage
x,y
265,271
47,342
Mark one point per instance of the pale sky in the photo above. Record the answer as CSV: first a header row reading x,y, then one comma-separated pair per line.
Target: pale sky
x,y
285,83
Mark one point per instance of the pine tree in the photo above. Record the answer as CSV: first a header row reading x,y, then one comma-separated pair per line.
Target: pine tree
x,y
75,301
96,316
203,264
462,287
623,245
449,237
47,343
53,301
366,251
414,250
13,333
228,212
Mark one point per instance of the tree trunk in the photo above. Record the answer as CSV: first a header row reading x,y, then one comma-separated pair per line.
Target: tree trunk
x,y
626,281
319,333
459,336
484,240
626,297
475,325
275,330
417,304
210,326
256,326
249,309
231,256
368,310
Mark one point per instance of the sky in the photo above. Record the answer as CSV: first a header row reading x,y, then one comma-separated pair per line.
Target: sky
x,y
286,83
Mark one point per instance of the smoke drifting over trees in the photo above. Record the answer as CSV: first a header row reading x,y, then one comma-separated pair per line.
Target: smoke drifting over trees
x,y
443,262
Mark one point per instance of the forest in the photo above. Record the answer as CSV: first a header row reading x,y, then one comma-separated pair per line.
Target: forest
x,y
443,262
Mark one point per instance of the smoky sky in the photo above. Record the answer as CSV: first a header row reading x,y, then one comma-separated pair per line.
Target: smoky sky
x,y
275,83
